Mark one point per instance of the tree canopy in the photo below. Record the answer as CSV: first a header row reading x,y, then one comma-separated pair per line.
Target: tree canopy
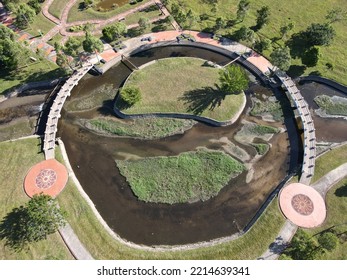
x,y
130,95
24,14
34,221
281,58
320,34
233,79
9,57
263,16
92,44
71,46
242,9
114,31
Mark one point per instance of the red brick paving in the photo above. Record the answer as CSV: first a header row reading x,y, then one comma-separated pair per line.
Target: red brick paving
x,y
47,177
302,205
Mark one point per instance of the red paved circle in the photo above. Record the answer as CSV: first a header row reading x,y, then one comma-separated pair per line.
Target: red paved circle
x,y
47,177
302,205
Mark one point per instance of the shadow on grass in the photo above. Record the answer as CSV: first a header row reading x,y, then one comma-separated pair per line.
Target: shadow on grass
x,y
199,100
11,229
295,71
341,191
298,45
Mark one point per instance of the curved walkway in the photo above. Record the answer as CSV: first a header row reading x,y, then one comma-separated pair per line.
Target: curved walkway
x,y
54,113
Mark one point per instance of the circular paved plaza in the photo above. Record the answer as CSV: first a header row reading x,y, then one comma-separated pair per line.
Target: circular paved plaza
x,y
47,177
302,205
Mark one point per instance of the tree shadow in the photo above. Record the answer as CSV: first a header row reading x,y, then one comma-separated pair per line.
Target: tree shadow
x,y
11,229
120,104
298,44
295,71
199,100
341,191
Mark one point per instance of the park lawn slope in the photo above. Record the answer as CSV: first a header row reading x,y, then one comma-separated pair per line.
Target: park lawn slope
x,y
16,158
184,178
302,13
182,85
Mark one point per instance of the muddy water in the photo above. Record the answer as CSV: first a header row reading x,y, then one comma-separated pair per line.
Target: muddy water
x,y
92,157
110,4
327,129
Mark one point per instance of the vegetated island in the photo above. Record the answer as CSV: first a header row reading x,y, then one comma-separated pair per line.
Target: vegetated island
x,y
188,177
145,128
182,85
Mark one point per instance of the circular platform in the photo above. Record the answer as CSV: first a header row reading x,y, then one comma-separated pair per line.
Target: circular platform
x,y
47,177
302,205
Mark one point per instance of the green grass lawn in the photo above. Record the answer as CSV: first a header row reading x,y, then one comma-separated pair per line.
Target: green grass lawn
x,y
76,14
16,158
57,7
146,128
329,161
336,216
29,71
41,23
182,85
302,13
188,177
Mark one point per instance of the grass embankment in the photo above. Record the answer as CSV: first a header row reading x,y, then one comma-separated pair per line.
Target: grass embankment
x,y
19,128
102,246
57,7
77,14
329,161
40,23
16,158
188,177
332,105
302,13
336,201
147,128
182,85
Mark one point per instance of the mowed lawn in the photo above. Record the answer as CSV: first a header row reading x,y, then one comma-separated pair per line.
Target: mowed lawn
x,y
302,13
57,7
182,85
16,158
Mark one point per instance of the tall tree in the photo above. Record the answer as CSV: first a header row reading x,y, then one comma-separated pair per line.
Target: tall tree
x,y
328,241
245,34
92,44
320,34
233,79
143,23
220,23
35,4
9,57
242,10
24,14
336,14
285,29
33,222
263,16
114,31
281,58
6,33
71,46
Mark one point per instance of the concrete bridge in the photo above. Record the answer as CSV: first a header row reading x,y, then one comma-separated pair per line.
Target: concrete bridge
x,y
54,113
309,139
